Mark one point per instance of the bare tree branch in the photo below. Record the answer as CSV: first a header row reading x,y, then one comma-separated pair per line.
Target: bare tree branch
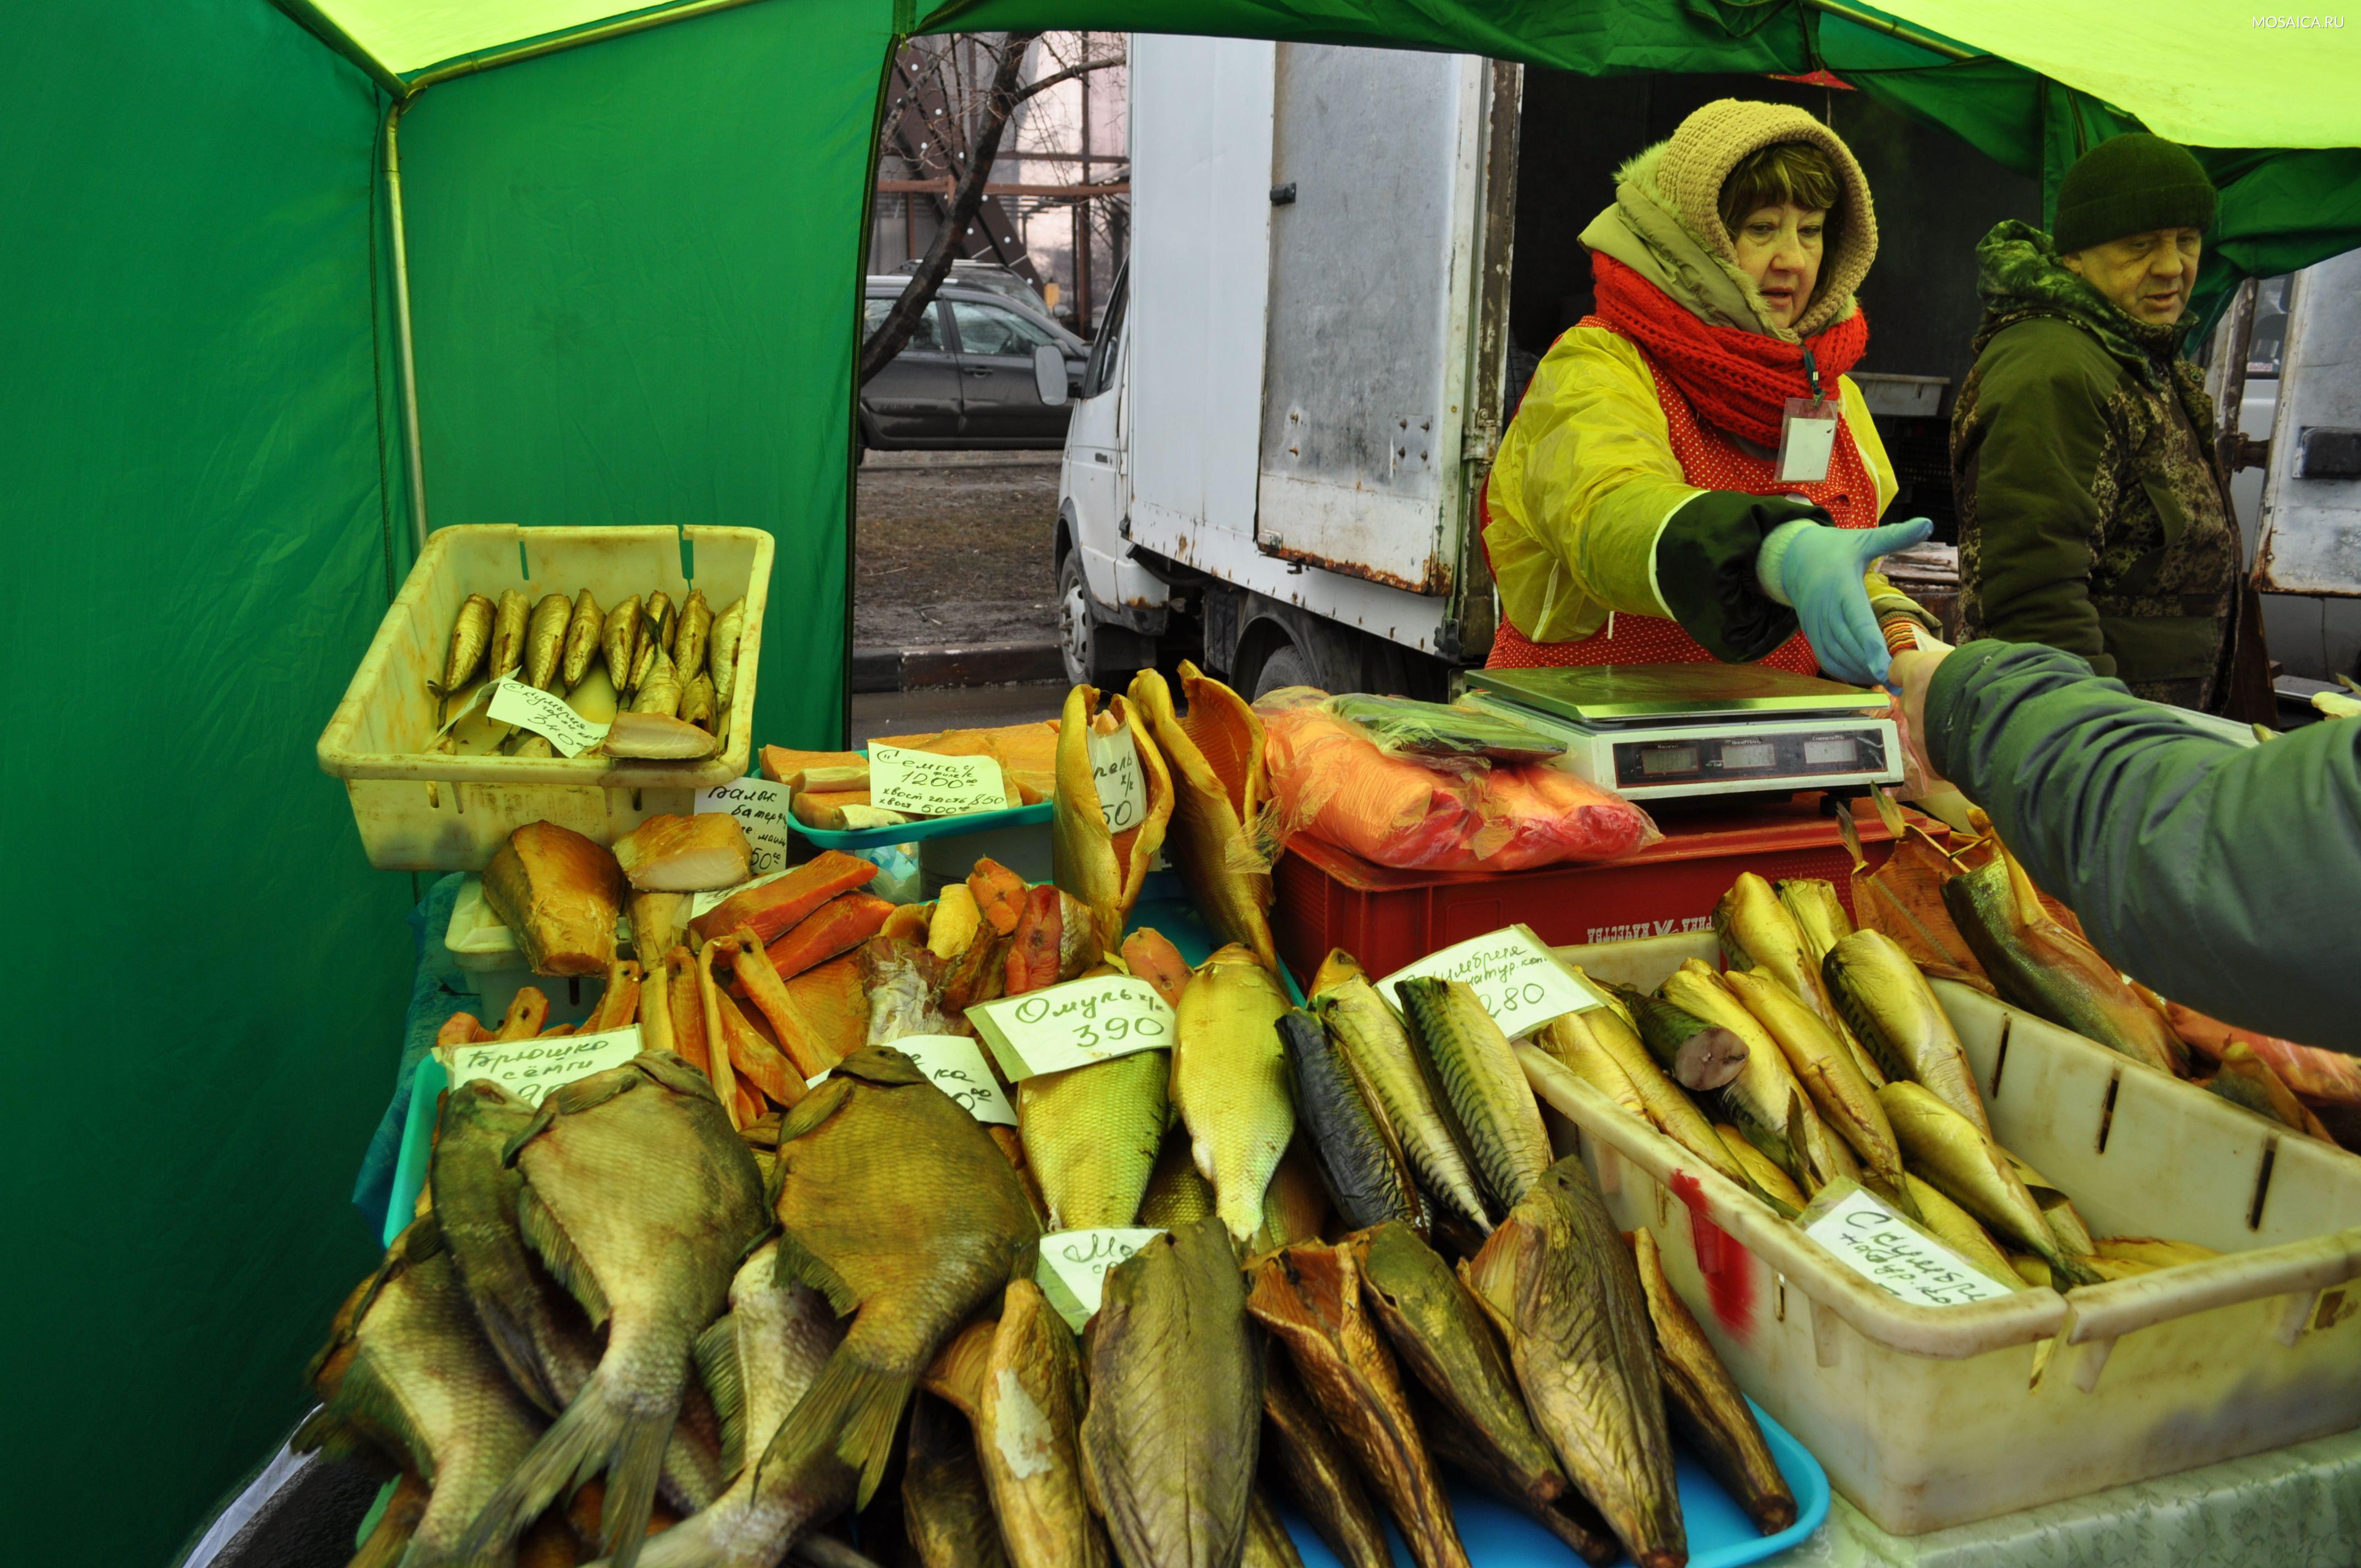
x,y
1000,102
1068,75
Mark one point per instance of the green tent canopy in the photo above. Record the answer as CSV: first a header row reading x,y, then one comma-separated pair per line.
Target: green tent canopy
x,y
631,240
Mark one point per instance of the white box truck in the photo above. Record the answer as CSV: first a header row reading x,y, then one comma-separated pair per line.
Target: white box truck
x,y
1345,263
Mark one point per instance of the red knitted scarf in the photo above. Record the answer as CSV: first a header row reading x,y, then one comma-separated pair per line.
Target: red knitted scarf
x,y
1737,381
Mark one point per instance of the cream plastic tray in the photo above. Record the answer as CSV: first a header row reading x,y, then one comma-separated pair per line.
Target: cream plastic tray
x,y
422,812
1927,1417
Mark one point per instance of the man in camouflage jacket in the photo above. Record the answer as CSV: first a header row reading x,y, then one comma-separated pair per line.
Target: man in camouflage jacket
x,y
2094,516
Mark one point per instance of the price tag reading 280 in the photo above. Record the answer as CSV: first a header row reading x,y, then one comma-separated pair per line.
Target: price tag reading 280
x,y
1073,1024
1520,980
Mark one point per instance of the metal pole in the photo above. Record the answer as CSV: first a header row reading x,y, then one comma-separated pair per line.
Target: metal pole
x,y
1082,216
415,462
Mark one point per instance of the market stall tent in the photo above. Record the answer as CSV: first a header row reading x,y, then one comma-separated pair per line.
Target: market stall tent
x,y
630,240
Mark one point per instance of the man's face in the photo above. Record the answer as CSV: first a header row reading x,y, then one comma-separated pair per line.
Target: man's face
x,y
2149,275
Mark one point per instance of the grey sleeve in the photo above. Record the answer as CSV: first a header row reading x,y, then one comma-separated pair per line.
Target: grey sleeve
x,y
2224,876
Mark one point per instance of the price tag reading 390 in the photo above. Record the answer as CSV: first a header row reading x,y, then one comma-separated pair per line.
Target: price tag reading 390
x,y
546,714
1513,972
1073,1024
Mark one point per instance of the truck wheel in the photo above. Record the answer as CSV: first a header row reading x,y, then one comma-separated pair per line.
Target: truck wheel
x,y
1094,652
1286,667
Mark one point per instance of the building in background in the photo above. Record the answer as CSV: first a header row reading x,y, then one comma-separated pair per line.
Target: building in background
x,y
1057,209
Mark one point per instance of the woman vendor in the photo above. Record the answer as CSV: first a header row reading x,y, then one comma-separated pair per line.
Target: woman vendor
x,y
1691,476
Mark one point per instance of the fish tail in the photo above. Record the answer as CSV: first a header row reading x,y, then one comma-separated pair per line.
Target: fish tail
x,y
631,1484
577,1447
852,1407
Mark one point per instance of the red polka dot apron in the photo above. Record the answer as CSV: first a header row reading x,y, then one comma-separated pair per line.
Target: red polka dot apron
x,y
1711,461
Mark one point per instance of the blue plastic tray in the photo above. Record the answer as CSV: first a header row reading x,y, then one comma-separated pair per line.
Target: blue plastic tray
x,y
1720,1535
923,827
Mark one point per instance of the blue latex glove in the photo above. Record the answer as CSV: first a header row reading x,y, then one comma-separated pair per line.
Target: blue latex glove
x,y
1817,567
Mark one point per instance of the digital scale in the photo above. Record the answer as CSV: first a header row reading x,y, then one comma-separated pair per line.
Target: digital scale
x,y
1658,732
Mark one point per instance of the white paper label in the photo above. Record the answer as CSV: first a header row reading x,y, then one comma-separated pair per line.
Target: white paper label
x,y
1520,980
1808,436
1073,1024
547,714
1123,791
956,1064
1073,1267
924,785
700,903
531,1068
761,808
1868,1238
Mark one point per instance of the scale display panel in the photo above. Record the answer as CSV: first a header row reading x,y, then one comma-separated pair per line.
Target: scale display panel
x,y
1705,760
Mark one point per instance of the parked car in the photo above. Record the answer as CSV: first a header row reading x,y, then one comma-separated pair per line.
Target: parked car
x,y
974,374
994,278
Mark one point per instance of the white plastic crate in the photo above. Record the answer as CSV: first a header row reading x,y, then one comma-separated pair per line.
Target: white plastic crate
x,y
1927,1417
418,811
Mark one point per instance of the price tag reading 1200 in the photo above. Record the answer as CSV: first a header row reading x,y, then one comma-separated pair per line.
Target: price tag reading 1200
x,y
1074,1025
1520,980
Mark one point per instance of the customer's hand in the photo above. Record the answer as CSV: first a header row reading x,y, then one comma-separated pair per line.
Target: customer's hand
x,y
1820,574
1911,674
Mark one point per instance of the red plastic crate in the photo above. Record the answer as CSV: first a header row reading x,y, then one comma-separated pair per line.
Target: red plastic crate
x,y
1330,898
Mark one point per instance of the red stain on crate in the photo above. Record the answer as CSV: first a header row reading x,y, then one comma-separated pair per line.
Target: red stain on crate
x,y
1725,1266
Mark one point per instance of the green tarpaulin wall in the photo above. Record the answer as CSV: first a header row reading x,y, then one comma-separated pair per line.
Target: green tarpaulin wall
x,y
634,270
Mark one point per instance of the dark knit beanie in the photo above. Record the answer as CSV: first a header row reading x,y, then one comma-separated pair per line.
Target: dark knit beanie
x,y
2130,184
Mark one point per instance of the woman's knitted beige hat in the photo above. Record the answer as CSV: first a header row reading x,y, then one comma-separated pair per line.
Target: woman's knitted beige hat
x,y
1709,144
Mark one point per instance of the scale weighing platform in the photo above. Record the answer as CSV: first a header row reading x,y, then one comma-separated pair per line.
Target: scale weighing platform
x,y
1659,731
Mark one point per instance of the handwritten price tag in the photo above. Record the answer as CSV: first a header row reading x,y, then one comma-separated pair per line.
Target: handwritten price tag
x,y
926,785
956,1064
761,808
544,713
1123,789
1873,1242
531,1068
1073,1024
1520,982
714,898
1073,1267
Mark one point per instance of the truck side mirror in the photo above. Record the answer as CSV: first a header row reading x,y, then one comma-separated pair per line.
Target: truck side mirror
x,y
1049,374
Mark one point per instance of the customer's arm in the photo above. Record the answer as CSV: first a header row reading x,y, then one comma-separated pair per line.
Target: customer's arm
x,y
2224,876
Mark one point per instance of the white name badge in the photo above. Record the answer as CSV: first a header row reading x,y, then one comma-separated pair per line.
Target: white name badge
x,y
924,785
1073,1267
1073,1024
1869,1239
1513,972
1807,437
1123,789
531,1068
545,714
761,808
